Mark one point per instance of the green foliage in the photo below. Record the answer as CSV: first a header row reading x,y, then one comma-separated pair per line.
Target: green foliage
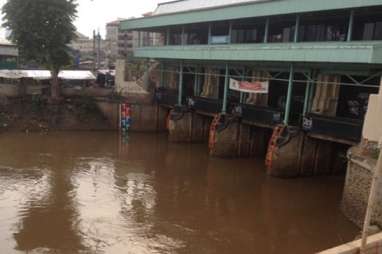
x,y
42,29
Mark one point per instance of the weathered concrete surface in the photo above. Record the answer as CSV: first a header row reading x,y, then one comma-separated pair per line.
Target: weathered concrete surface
x,y
188,127
374,246
227,141
283,158
300,155
145,117
148,117
357,188
200,128
111,111
180,126
258,140
16,90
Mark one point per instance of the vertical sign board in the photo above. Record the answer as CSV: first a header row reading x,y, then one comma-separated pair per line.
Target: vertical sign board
x,y
125,118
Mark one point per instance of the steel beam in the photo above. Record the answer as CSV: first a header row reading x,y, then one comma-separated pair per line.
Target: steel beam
x,y
350,27
266,30
226,87
288,103
180,90
296,28
307,94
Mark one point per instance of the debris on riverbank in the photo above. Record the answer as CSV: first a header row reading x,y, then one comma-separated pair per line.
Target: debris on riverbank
x,y
37,115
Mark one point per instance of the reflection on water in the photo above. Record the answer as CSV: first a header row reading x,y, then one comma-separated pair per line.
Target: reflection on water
x,y
89,193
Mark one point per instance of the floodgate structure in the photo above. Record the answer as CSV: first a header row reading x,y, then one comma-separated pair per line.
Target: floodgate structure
x,y
319,61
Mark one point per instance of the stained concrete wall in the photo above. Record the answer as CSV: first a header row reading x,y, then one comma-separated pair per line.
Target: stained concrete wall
x,y
357,189
300,155
361,167
188,127
14,90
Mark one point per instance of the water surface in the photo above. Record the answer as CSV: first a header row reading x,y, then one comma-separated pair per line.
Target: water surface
x,y
92,193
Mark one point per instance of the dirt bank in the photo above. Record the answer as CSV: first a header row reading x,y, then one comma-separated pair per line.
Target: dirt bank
x,y
28,114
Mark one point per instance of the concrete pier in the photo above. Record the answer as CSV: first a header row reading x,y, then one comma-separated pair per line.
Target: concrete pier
x,y
293,153
231,138
187,126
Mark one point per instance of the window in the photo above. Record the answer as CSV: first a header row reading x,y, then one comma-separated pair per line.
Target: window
x,y
220,33
282,29
248,31
196,34
368,24
324,26
176,36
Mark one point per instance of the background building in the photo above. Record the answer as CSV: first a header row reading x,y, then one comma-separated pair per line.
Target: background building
x,y
8,55
86,50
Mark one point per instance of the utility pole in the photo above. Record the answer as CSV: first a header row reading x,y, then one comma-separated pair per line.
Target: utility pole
x,y
98,50
94,52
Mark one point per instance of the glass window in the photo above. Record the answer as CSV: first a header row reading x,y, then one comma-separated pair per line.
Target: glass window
x,y
324,26
220,33
176,36
248,31
196,34
368,24
282,29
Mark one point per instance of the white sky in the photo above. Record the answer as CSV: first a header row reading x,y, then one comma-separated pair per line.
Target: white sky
x,y
94,14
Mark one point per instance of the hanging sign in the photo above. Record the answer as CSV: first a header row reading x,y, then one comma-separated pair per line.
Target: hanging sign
x,y
261,87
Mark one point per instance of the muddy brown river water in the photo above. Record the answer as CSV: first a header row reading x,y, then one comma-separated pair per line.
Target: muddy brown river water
x,y
89,193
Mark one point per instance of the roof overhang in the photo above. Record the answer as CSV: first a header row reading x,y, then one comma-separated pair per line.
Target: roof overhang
x,y
320,52
244,10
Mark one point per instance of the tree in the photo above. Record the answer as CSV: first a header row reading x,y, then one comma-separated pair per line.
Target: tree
x,y
42,29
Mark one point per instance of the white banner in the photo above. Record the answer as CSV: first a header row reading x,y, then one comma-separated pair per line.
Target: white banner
x,y
249,87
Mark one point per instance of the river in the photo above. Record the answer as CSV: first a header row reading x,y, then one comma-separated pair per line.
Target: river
x,y
91,192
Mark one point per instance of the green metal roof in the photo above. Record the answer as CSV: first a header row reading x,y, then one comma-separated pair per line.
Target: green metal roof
x,y
312,52
244,10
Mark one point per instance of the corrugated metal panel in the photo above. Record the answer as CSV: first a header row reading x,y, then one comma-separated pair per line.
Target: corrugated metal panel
x,y
189,5
239,11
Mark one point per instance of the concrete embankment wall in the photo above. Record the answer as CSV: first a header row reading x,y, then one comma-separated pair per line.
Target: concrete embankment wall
x,y
357,188
374,247
361,167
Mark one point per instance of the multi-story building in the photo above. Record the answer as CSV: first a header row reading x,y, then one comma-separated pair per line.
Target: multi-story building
x,y
8,55
120,43
86,51
302,63
82,44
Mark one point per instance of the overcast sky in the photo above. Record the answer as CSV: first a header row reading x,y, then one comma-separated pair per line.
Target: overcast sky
x,y
94,14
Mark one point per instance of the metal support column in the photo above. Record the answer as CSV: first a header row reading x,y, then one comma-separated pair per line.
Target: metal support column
x,y
296,28
266,30
241,93
288,103
209,33
182,39
161,84
168,36
350,28
146,75
230,32
226,87
307,94
180,89
312,91
196,82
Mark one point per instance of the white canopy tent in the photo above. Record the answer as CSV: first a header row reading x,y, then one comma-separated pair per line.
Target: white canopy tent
x,y
46,75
